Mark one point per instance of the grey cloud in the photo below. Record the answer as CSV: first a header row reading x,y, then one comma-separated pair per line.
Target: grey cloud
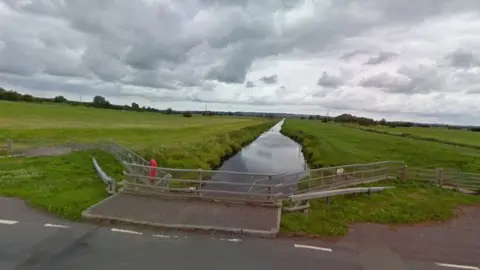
x,y
269,79
463,59
474,90
249,84
380,58
349,55
160,45
331,81
407,81
384,80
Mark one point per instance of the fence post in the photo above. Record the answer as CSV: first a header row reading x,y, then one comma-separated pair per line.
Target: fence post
x,y
200,177
404,172
9,146
269,186
459,179
440,176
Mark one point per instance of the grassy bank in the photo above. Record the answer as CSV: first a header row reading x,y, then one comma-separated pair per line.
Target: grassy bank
x,y
326,144
63,185
408,203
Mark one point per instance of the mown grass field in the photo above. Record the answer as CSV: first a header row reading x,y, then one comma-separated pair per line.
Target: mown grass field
x,y
327,144
174,140
66,185
451,136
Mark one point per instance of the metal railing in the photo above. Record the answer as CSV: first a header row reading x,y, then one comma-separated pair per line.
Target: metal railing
x,y
462,181
210,184
110,182
347,175
134,163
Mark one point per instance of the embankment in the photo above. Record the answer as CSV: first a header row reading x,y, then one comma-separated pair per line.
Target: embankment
x,y
210,153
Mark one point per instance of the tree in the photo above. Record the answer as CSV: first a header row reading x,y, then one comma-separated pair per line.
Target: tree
x,y
187,114
383,122
169,111
135,106
28,98
100,102
59,99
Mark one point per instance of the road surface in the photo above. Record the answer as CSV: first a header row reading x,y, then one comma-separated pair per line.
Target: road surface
x,y
30,240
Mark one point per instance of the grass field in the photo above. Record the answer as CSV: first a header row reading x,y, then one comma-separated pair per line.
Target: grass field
x,y
444,135
64,185
408,203
327,144
174,140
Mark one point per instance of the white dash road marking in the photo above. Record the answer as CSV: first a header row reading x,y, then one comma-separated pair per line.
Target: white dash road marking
x,y
234,240
458,266
54,225
161,236
313,247
8,222
125,231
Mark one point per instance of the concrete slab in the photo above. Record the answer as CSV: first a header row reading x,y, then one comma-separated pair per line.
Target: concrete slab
x,y
187,214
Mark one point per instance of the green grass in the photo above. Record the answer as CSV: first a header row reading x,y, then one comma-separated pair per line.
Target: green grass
x,y
464,138
327,144
406,204
63,185
174,140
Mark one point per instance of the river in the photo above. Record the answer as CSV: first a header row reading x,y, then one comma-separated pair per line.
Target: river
x,y
271,153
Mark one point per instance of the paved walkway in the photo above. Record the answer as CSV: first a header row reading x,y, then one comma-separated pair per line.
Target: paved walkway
x,y
188,214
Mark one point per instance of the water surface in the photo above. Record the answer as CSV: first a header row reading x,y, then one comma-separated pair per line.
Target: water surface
x,y
271,153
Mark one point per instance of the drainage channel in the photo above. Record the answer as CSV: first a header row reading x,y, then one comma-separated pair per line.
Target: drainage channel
x,y
271,153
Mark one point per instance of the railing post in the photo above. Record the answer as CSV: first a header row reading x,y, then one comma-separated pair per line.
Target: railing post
x,y
459,179
404,172
269,186
440,176
200,177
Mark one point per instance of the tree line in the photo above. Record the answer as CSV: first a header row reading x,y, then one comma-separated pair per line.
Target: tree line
x,y
364,121
102,102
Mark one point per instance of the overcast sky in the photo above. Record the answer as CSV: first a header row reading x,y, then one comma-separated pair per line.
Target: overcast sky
x,y
395,59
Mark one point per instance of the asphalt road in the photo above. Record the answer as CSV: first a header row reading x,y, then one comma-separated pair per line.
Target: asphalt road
x,y
29,240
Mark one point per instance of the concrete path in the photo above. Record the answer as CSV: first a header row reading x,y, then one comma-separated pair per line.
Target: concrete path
x,y
31,240
187,214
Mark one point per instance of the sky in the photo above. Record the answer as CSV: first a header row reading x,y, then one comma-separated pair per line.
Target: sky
x,y
393,59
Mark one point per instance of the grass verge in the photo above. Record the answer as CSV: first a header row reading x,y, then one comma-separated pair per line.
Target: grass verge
x,y
64,185
408,203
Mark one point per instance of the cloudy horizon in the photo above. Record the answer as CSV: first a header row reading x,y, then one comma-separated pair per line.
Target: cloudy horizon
x,y
374,58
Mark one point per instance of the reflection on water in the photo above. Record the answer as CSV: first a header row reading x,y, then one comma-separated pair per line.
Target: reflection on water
x,y
271,153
